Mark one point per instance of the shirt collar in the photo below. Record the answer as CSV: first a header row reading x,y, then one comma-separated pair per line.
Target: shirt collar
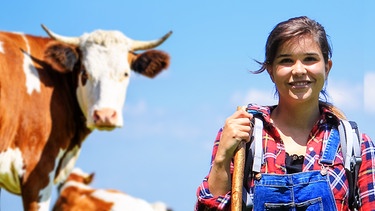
x,y
327,115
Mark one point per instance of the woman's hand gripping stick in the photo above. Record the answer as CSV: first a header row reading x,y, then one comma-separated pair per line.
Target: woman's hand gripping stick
x,y
238,174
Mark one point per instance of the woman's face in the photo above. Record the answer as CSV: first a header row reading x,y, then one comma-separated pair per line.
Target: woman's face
x,y
299,71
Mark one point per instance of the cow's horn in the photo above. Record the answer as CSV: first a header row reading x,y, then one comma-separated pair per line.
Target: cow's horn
x,y
144,45
67,40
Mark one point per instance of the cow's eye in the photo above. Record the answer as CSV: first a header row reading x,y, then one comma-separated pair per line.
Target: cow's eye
x,y
84,76
126,74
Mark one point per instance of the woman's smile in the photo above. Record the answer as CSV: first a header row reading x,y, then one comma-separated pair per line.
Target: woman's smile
x,y
300,84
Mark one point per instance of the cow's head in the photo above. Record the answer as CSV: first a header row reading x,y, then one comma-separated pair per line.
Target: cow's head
x,y
104,60
78,176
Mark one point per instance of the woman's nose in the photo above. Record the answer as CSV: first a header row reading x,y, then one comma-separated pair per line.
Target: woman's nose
x,y
298,68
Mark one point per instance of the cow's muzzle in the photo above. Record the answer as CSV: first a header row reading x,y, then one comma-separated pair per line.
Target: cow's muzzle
x,y
105,119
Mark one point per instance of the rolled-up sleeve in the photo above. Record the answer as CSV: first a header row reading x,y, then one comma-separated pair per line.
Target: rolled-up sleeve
x,y
205,200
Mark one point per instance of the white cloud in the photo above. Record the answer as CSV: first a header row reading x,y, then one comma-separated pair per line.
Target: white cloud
x,y
136,109
260,97
346,95
369,92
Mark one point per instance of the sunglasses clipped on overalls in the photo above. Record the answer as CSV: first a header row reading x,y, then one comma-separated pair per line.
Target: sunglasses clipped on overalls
x,y
308,191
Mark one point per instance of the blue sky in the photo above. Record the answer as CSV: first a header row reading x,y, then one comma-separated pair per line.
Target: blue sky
x,y
163,151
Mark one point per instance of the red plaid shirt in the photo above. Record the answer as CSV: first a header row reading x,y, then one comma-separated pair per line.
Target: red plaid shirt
x,y
275,163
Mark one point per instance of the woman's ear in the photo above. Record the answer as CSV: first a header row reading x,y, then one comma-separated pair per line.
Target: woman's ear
x,y
270,72
328,67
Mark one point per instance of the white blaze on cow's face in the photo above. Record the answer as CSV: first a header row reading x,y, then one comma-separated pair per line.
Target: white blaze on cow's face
x,y
104,78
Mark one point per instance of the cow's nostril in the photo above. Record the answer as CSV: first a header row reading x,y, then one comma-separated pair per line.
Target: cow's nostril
x,y
114,114
105,117
96,116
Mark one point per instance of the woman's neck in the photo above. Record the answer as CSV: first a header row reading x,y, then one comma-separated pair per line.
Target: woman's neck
x,y
294,124
301,116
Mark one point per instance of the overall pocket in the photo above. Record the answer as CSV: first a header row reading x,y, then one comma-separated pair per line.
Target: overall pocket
x,y
309,205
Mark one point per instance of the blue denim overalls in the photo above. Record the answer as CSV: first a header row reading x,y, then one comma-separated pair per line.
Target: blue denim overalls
x,y
299,191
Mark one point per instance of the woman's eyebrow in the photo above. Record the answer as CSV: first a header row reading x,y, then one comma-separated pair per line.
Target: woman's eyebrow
x,y
283,55
305,54
312,54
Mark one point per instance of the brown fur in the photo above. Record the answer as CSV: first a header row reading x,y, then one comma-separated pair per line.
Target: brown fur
x,y
76,199
39,124
76,194
150,63
61,57
78,178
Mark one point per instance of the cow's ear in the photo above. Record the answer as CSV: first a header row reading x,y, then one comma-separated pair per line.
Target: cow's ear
x,y
89,179
150,63
61,57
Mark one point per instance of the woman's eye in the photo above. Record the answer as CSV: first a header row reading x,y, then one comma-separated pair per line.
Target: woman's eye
x,y
286,61
310,59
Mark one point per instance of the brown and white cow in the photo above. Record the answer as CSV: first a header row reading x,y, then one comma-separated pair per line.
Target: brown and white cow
x,y
76,194
53,92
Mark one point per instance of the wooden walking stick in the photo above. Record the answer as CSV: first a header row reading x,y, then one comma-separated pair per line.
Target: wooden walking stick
x,y
238,174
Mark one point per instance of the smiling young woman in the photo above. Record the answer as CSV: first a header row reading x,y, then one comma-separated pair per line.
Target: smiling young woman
x,y
298,170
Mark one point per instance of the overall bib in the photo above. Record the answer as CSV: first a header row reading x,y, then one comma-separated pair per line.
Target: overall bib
x,y
299,191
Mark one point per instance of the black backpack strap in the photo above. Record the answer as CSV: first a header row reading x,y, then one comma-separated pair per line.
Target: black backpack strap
x,y
356,164
249,160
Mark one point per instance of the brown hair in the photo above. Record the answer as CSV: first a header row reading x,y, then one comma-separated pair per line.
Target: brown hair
x,y
295,27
